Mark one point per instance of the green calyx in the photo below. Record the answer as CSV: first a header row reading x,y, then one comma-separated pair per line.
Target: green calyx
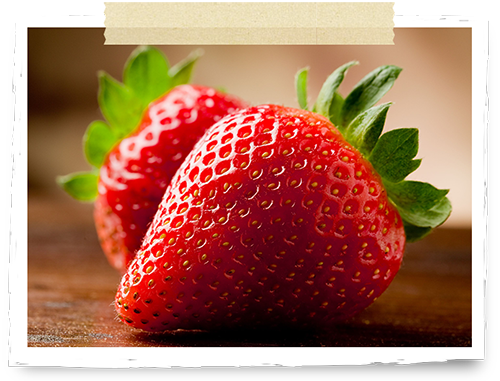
x,y
421,206
147,75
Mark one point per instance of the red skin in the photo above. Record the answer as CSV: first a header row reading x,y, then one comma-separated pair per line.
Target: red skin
x,y
138,170
295,232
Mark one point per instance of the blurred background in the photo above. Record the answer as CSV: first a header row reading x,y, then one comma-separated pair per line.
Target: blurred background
x,y
433,93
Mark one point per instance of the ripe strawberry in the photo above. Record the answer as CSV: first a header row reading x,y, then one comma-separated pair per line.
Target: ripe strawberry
x,y
278,218
135,171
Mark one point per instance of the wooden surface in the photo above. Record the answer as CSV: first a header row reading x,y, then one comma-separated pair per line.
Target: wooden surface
x,y
71,290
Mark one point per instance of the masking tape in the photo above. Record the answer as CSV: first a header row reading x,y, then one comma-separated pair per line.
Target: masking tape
x,y
226,23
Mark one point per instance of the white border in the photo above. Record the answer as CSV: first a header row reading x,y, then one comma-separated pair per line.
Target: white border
x,y
90,14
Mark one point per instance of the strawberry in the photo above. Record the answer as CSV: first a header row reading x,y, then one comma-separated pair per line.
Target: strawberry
x,y
138,157
277,217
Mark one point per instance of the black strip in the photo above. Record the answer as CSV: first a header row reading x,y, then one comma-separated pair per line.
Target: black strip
x,y
491,191
90,9
74,9
451,9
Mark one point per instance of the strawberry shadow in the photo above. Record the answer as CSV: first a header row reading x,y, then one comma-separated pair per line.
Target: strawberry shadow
x,y
347,334
236,337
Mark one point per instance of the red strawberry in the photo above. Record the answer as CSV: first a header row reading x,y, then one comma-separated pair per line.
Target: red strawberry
x,y
136,170
275,218
136,173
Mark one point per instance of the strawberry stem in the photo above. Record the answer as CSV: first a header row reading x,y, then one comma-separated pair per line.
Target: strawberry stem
x,y
147,75
421,206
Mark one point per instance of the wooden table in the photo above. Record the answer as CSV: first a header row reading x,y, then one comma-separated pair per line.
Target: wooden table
x,y
71,290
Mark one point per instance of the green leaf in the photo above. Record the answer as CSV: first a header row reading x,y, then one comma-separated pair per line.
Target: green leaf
x,y
301,87
335,108
368,92
121,108
146,74
364,131
415,233
415,195
393,153
98,140
182,71
327,93
81,185
420,204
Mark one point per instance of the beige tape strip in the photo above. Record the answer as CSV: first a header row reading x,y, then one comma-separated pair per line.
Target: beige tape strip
x,y
249,23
